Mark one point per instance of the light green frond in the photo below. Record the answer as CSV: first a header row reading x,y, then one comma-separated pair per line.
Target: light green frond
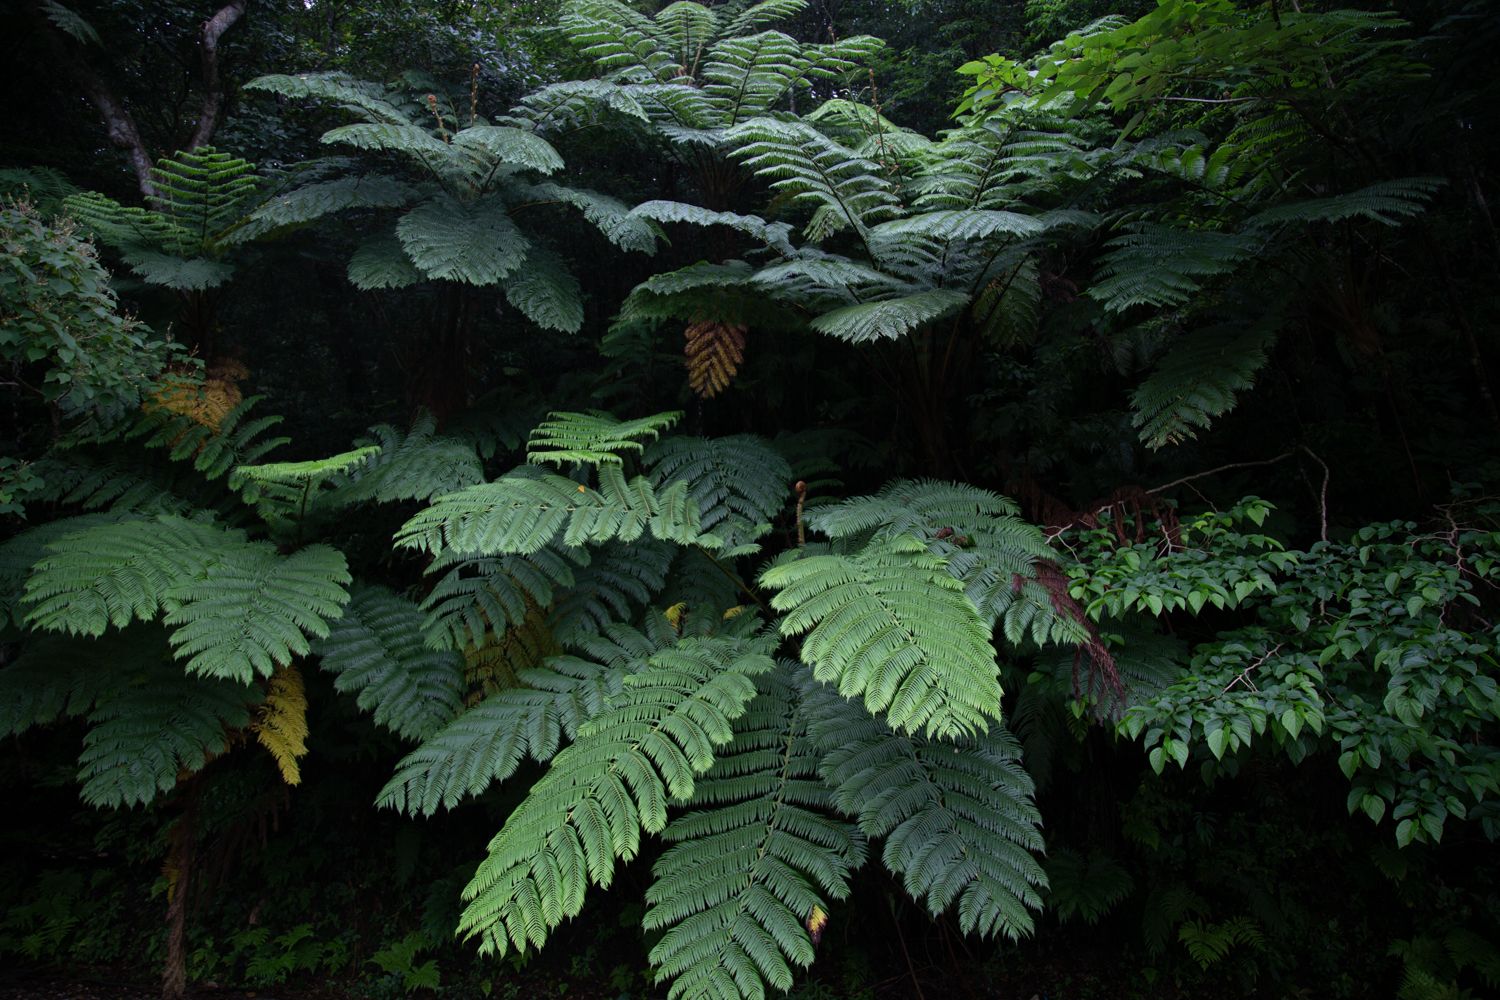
x,y
413,140
255,609
526,510
1197,380
111,574
594,438
615,781
546,292
477,244
959,820
890,319
487,743
891,625
376,650
753,861
571,104
959,225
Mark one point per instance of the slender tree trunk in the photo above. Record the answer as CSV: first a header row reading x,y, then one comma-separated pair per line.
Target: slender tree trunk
x,y
180,856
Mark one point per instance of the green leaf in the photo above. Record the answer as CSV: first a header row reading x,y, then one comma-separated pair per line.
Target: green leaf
x,y
477,243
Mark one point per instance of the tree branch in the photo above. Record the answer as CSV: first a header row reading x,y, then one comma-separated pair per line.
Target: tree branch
x,y
213,84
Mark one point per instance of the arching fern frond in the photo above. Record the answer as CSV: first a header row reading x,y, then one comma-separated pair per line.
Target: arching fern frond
x,y
416,464
526,510
487,742
377,651
890,319
958,818
1157,265
594,438
57,677
735,476
146,733
601,792
889,624
476,596
810,167
756,857
618,581
1198,379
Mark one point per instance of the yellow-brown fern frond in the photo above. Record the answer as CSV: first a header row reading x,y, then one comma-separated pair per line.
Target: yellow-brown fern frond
x,y
206,402
714,352
497,664
674,614
281,726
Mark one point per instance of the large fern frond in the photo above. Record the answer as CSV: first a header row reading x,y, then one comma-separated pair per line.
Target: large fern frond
x,y
605,789
889,624
754,862
477,596
377,651
736,476
618,581
594,438
958,818
487,742
144,735
476,243
281,722
1198,379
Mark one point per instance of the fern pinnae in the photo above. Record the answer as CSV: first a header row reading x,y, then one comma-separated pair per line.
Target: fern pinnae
x,y
890,625
753,860
609,786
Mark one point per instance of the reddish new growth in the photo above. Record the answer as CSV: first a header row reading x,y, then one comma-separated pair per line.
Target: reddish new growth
x,y
1104,676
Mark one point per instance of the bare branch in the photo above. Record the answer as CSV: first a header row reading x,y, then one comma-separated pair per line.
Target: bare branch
x,y
213,84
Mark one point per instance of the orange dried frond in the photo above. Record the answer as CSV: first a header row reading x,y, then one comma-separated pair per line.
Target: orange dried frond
x,y
714,352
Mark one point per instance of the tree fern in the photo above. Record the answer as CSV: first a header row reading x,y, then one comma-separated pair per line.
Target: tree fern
x,y
256,608
608,787
476,244
1158,265
889,624
416,464
314,201
890,319
617,582
755,858
958,818
239,608
179,241
376,650
56,677
810,167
